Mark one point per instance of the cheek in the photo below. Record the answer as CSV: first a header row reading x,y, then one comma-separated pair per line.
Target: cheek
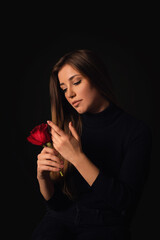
x,y
85,91
88,94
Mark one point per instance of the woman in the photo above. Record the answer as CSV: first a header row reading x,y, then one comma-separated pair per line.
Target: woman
x,y
103,152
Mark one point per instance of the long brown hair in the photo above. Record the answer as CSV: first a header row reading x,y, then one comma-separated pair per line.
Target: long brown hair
x,y
90,66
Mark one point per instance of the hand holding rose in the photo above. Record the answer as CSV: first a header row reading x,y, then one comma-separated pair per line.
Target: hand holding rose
x,y
47,159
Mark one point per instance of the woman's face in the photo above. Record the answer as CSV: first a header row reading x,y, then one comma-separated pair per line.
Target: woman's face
x,y
76,87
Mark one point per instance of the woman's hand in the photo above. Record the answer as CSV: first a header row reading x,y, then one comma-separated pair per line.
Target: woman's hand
x,y
67,146
48,161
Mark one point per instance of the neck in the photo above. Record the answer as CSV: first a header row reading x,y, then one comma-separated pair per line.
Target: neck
x,y
97,108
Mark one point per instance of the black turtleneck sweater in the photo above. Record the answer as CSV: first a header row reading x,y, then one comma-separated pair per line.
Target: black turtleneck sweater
x,y
120,145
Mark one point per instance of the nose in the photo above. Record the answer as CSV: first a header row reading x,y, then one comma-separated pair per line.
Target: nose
x,y
71,93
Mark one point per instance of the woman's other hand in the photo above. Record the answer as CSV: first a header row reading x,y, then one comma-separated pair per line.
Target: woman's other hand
x,y
67,146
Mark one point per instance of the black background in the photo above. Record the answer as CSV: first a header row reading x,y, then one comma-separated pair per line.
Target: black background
x,y
127,42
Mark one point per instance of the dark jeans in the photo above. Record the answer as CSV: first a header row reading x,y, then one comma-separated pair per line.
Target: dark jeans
x,y
79,223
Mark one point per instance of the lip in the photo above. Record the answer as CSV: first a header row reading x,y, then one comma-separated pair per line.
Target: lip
x,y
75,103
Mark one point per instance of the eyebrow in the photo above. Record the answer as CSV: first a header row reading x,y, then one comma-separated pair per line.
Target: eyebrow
x,y
71,78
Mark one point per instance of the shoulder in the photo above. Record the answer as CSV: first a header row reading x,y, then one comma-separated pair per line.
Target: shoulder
x,y
134,128
139,134
136,124
132,122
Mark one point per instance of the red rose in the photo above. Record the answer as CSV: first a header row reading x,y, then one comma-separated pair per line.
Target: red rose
x,y
40,135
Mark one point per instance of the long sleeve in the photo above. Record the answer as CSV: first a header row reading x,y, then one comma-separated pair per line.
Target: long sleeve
x,y
121,193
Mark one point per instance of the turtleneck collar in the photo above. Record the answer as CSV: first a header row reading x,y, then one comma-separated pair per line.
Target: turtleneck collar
x,y
100,119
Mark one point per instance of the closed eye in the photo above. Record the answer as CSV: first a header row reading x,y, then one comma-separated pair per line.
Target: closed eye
x,y
77,82
64,90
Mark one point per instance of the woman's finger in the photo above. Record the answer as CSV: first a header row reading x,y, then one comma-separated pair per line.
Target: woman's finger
x,y
50,164
49,150
48,156
55,137
48,168
56,128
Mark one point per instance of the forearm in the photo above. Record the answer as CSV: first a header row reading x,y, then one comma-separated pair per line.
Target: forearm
x,y
86,168
46,188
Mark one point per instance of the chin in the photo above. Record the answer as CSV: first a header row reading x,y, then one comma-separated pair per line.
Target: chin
x,y
80,111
